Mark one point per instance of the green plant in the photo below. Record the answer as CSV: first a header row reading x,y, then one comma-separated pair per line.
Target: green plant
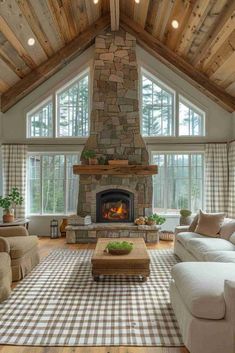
x,y
119,245
185,213
87,154
11,200
156,218
102,160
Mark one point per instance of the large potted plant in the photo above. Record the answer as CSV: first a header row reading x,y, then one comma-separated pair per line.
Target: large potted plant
x,y
9,203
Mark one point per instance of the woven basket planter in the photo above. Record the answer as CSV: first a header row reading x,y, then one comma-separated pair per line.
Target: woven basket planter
x,y
166,235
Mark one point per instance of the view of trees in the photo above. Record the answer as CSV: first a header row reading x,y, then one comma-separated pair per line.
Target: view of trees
x,y
72,109
179,182
190,120
157,109
40,121
52,186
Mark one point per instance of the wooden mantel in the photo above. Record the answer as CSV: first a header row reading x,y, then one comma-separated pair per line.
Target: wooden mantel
x,y
115,169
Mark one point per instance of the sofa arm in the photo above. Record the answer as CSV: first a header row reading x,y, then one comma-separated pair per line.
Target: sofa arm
x,y
4,245
180,229
229,295
13,231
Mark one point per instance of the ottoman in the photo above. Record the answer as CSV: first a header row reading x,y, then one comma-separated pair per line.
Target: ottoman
x,y
5,276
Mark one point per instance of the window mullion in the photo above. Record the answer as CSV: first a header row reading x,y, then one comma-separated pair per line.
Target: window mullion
x,y
41,185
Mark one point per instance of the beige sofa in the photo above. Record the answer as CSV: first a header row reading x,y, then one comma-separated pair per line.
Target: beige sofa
x,y
22,248
5,276
202,289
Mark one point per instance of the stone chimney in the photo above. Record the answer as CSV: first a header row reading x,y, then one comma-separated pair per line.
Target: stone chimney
x,y
115,123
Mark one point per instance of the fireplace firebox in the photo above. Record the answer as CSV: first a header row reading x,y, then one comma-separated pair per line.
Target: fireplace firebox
x,y
114,206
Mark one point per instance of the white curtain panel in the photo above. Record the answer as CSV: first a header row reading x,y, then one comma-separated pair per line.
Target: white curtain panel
x,y
231,163
216,177
14,172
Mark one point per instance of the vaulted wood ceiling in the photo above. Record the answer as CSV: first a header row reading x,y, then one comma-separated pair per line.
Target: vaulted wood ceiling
x,y
202,48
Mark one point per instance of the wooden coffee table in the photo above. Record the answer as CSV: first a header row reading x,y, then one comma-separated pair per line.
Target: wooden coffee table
x,y
136,263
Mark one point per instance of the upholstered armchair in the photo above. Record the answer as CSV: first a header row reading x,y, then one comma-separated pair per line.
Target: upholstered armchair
x,y
22,248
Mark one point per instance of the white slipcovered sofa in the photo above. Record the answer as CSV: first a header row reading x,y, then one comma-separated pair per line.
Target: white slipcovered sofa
x,y
202,289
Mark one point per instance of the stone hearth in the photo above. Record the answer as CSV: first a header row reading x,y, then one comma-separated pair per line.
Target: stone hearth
x,y
115,124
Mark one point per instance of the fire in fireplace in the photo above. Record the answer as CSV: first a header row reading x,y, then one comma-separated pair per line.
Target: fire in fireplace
x,y
114,206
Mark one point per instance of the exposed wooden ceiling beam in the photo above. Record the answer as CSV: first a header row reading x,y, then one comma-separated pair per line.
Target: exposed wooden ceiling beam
x,y
177,64
141,12
53,64
33,21
211,35
11,37
114,14
8,61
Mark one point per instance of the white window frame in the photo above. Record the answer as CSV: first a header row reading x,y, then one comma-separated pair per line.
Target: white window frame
x,y
199,111
69,84
178,95
165,173
38,106
41,190
158,82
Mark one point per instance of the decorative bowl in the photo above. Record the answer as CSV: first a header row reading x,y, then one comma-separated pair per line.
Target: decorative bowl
x,y
118,248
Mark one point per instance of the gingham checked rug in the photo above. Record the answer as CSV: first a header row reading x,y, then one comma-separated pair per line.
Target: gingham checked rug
x,y
59,304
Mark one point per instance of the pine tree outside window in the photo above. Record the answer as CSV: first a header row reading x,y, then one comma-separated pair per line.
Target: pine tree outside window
x,y
40,120
73,108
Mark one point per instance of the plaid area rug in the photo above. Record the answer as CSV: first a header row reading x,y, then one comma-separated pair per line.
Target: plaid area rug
x,y
59,304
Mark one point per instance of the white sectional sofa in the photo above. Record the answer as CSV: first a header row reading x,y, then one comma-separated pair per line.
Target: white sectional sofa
x,y
202,289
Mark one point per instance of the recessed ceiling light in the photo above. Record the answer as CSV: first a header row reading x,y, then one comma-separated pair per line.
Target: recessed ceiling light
x,y
137,1
95,1
175,24
31,41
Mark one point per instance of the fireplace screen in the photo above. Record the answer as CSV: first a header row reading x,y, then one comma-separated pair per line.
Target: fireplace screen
x,y
114,206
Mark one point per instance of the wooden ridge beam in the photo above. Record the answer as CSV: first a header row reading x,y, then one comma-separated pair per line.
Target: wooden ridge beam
x,y
114,14
178,64
53,64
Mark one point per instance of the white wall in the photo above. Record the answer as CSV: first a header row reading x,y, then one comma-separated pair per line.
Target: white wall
x,y
220,125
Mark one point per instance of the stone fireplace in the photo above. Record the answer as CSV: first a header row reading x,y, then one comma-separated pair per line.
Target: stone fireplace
x,y
115,134
115,124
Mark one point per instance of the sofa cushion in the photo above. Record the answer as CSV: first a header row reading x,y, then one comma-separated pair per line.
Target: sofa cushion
x,y
199,246
227,228
194,223
209,224
220,256
19,246
184,237
201,287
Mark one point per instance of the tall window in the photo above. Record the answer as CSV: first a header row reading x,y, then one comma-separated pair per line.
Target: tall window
x,y
179,182
157,108
72,109
191,119
166,113
51,185
40,120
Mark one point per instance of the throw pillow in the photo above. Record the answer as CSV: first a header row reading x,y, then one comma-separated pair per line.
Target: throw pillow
x,y
232,238
227,229
193,225
209,224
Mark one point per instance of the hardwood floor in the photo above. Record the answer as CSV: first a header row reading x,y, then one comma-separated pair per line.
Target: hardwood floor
x,y
46,245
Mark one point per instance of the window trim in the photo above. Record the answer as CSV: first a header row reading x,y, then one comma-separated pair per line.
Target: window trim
x,y
162,85
191,152
157,77
37,107
47,153
67,85
199,111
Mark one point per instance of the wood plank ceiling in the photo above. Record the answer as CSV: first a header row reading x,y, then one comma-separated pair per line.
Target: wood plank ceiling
x,y
205,38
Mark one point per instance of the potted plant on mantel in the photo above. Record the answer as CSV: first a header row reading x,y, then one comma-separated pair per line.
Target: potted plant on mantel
x,y
9,203
90,157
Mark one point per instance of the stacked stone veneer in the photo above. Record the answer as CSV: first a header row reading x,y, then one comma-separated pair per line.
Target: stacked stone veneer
x,y
115,123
